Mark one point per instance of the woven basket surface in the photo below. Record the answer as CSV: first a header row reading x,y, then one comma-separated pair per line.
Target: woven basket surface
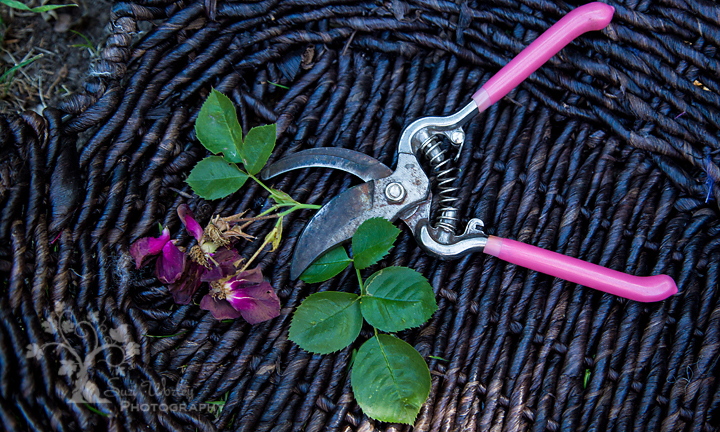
x,y
609,153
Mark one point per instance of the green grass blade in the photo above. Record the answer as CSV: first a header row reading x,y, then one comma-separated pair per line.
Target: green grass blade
x,y
7,76
23,7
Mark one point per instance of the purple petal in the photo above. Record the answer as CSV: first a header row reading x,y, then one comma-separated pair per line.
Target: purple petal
x,y
220,309
170,265
184,289
246,278
257,303
226,259
148,246
187,218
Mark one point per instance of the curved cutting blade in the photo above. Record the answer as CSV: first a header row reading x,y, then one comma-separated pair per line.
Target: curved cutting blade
x,y
354,162
334,223
338,220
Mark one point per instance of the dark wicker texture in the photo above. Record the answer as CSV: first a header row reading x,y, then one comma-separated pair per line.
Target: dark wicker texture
x,y
609,153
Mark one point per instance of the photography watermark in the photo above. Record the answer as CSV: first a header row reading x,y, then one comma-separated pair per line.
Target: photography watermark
x,y
81,345
160,391
206,407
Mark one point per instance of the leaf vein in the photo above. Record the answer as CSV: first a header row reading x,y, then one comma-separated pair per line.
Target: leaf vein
x,y
392,375
389,300
329,317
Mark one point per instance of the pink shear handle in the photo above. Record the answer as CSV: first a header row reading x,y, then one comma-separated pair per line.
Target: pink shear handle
x,y
638,288
592,16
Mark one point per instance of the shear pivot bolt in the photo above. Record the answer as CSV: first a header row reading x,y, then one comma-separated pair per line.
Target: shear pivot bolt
x,y
395,192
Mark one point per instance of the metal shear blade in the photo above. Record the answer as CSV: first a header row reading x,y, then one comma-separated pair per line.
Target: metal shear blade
x,y
353,162
403,193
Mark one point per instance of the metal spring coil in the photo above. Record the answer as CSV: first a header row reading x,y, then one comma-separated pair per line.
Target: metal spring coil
x,y
447,214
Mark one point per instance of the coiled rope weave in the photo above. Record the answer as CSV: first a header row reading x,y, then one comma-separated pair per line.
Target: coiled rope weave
x,y
609,153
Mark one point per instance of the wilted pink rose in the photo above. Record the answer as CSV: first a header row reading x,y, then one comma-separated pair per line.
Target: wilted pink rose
x,y
245,294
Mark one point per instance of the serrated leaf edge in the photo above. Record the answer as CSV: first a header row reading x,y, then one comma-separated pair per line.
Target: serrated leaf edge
x,y
238,145
241,148
319,352
397,386
348,261
369,280
208,181
392,244
395,383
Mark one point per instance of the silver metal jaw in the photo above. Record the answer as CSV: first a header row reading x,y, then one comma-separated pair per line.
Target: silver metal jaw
x,y
423,137
424,128
447,246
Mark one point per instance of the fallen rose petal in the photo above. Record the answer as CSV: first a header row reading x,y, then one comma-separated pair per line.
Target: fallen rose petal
x,y
148,246
225,259
256,303
220,309
188,219
170,264
185,287
246,278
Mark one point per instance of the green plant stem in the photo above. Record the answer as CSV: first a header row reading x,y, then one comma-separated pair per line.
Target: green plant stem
x,y
257,252
360,281
295,205
299,207
275,207
268,211
261,183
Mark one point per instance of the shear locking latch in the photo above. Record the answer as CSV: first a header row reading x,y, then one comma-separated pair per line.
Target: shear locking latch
x,y
448,246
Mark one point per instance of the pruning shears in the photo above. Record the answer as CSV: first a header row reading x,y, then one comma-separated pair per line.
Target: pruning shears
x,y
406,193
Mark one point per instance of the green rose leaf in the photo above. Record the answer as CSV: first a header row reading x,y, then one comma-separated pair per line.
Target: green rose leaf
x,y
214,177
258,146
329,264
326,322
217,127
372,241
397,298
390,380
